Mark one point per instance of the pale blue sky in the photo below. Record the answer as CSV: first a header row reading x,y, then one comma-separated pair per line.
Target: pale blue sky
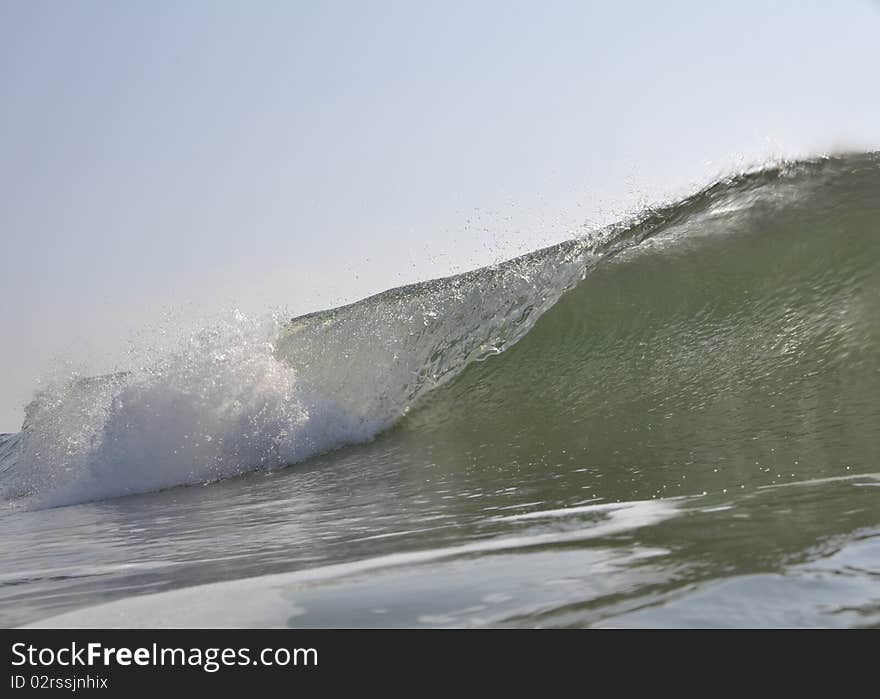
x,y
197,156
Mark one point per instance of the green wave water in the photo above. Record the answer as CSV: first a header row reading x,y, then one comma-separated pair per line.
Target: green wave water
x,y
673,422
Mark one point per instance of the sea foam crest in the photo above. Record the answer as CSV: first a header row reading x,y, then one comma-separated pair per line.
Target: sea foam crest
x,y
217,405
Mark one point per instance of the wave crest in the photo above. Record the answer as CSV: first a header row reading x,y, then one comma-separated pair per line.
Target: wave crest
x,y
247,395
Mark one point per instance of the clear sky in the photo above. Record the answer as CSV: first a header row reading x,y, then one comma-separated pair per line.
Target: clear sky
x,y
187,157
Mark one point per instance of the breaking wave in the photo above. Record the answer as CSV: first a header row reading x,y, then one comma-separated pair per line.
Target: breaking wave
x,y
245,394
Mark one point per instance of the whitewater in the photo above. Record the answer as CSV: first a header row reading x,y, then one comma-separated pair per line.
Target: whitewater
x,y
670,421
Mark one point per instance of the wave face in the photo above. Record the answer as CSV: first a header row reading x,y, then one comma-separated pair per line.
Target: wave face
x,y
698,333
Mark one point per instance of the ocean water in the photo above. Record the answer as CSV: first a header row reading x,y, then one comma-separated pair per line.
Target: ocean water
x,y
674,421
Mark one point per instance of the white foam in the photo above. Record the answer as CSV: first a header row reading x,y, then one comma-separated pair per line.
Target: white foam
x,y
218,405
